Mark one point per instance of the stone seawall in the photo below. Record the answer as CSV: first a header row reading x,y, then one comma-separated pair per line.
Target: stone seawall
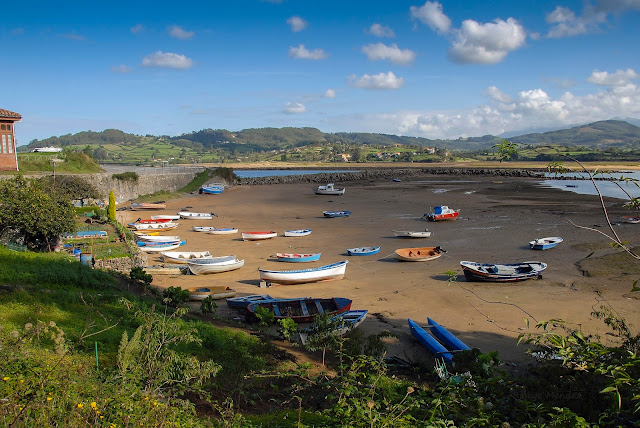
x,y
145,185
122,264
388,173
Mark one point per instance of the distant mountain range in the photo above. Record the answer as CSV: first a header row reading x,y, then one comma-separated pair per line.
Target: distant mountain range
x,y
608,133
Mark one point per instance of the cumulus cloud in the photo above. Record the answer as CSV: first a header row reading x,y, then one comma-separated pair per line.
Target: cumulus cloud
x,y
380,51
303,53
377,81
486,43
179,33
330,93
431,14
121,69
167,60
381,31
297,24
138,28
497,95
619,78
294,108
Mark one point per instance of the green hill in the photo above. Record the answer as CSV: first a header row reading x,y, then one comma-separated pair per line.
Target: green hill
x,y
606,133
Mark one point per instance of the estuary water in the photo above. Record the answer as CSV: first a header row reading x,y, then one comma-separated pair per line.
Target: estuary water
x,y
612,189
255,173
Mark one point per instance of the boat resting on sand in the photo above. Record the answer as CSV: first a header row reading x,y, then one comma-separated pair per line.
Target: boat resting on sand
x,y
544,243
255,236
631,219
363,251
188,215
165,217
205,229
158,227
448,339
302,309
299,232
420,254
330,272
241,303
502,272
442,212
156,238
333,214
147,206
181,257
220,292
412,234
429,342
214,265
212,190
329,189
152,220
223,231
346,322
297,257
159,247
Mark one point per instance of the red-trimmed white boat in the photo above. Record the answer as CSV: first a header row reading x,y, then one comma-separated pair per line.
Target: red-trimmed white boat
x,y
631,219
254,236
152,220
442,212
165,217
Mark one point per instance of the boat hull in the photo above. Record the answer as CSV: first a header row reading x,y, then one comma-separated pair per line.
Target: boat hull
x,y
225,231
544,243
201,293
334,214
302,310
255,236
502,272
210,266
330,272
145,206
181,257
411,234
195,216
421,254
295,233
363,251
297,258
449,340
241,303
429,342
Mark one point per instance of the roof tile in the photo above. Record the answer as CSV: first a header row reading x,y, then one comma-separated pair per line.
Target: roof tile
x,y
9,114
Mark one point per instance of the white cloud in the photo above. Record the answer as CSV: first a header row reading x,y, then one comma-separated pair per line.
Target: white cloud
x,y
297,24
179,33
377,81
138,28
303,53
431,14
497,95
330,93
121,69
565,23
381,31
486,43
167,60
294,108
619,78
380,51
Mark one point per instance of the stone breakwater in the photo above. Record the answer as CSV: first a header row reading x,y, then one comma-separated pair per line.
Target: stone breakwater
x,y
389,174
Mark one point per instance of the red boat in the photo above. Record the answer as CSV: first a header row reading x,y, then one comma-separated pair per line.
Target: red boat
x,y
442,212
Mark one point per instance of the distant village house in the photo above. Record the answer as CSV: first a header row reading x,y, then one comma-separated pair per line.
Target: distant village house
x,y
8,155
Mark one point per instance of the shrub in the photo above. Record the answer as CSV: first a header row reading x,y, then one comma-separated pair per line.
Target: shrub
x,y
175,295
112,206
208,305
126,176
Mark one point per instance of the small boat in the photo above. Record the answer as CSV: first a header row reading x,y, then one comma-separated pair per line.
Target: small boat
x,y
302,309
631,219
211,190
196,216
396,180
158,227
165,217
329,189
446,337
332,214
205,229
502,272
87,234
544,243
363,251
223,231
254,236
145,233
297,258
429,342
412,234
299,232
146,206
164,246
165,270
152,220
214,265
157,238
421,254
160,243
181,257
333,271
241,303
442,212
220,292
346,321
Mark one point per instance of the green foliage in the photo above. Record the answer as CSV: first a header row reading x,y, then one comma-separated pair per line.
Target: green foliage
x,y
287,328
506,150
111,210
126,176
265,316
208,305
69,187
175,295
224,173
322,334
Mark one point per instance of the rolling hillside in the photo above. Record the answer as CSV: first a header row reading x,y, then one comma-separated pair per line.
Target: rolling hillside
x,y
606,133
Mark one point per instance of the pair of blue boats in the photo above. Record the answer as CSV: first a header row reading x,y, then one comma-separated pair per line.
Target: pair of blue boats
x,y
438,340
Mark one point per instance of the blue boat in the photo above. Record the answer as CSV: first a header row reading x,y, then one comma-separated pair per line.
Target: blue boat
x,y
212,190
297,257
363,251
446,337
241,303
87,234
429,342
332,214
347,321
544,243
302,309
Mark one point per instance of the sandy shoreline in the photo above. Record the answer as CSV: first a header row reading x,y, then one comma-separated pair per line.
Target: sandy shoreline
x,y
498,218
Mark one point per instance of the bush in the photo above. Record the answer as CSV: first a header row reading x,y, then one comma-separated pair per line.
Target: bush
x,y
208,305
175,295
126,176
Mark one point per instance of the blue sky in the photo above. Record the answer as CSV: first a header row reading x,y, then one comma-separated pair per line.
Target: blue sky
x,y
434,69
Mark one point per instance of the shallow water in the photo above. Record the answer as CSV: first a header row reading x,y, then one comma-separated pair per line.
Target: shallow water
x,y
586,187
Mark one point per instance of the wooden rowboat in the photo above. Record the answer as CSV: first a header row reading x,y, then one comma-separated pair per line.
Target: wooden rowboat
x,y
297,258
220,292
254,236
412,234
214,265
421,254
223,231
302,309
544,243
146,206
509,272
363,251
346,321
181,257
159,227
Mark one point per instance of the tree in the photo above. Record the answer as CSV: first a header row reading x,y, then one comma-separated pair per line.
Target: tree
x,y
111,210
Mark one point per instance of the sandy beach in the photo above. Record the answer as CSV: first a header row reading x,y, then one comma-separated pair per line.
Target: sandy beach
x,y
498,218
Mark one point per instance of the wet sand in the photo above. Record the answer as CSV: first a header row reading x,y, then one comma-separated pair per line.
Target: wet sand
x,y
498,218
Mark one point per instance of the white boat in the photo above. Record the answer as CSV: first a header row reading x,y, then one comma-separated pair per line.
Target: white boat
x,y
254,236
156,238
412,234
300,232
160,247
219,292
181,257
329,189
165,217
544,243
323,273
158,227
205,229
195,216
223,231
214,265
